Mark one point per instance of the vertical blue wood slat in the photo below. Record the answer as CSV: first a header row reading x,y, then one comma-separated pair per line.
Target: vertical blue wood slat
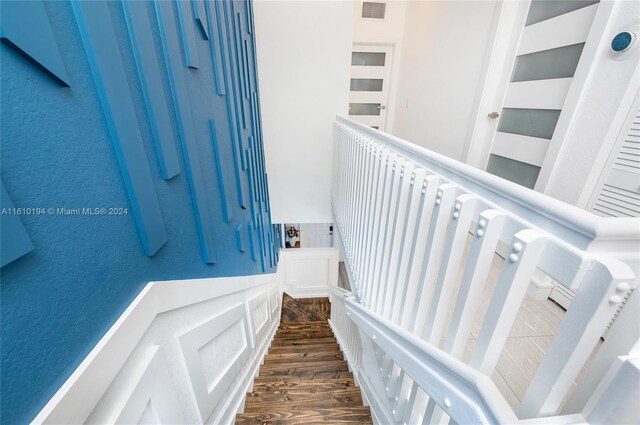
x,y
252,246
248,15
219,168
101,46
235,60
137,18
256,189
225,56
25,26
201,18
188,33
245,67
263,243
14,239
252,203
216,53
240,53
170,47
239,244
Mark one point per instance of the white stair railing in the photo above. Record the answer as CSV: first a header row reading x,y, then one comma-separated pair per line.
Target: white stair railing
x,y
420,233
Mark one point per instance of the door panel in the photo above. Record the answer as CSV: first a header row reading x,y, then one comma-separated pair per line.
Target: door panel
x,y
550,48
370,73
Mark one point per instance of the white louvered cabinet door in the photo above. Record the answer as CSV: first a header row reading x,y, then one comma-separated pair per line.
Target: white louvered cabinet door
x,y
618,195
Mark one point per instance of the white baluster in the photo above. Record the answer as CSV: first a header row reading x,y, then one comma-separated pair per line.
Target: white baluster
x,y
507,298
394,256
483,247
413,267
593,307
386,234
464,209
445,199
405,251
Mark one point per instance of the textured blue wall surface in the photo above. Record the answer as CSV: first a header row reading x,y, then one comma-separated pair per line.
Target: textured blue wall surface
x,y
143,106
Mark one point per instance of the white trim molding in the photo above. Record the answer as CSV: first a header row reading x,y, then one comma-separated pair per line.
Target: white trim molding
x,y
184,351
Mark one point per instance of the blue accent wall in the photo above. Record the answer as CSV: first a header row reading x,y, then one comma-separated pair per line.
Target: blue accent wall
x,y
131,151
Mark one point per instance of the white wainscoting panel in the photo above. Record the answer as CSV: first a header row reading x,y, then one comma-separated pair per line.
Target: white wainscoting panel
x,y
183,352
309,272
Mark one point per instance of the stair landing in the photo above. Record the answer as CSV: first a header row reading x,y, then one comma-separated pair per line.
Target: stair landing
x,y
305,378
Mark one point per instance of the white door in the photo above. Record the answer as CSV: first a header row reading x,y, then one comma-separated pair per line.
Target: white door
x,y
370,73
318,235
552,35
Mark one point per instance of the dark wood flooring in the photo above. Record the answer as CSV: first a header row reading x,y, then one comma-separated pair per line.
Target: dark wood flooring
x,y
304,310
305,378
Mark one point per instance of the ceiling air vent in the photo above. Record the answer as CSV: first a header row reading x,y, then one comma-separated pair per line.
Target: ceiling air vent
x,y
373,10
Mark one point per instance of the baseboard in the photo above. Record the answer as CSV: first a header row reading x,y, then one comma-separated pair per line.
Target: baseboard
x,y
182,352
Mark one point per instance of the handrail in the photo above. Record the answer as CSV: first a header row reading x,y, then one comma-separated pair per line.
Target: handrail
x,y
562,219
467,395
420,234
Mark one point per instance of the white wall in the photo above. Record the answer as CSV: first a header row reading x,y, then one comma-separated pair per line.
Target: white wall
x,y
304,57
390,31
443,54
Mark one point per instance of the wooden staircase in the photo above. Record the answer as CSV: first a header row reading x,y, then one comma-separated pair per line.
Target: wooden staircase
x,y
305,378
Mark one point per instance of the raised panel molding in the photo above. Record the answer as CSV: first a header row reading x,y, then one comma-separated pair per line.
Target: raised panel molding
x,y
309,272
153,397
259,308
214,352
170,360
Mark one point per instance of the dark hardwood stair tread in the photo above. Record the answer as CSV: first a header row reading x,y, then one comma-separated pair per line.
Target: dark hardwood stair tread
x,y
319,375
305,334
279,384
301,400
304,325
360,415
303,348
317,356
304,369
306,341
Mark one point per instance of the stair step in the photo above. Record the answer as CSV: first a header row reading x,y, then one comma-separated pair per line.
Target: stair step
x,y
304,348
316,376
303,341
278,385
317,356
303,369
305,334
359,415
301,400
306,325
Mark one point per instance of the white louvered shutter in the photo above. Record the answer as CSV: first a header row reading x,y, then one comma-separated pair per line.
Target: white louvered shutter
x,y
619,194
